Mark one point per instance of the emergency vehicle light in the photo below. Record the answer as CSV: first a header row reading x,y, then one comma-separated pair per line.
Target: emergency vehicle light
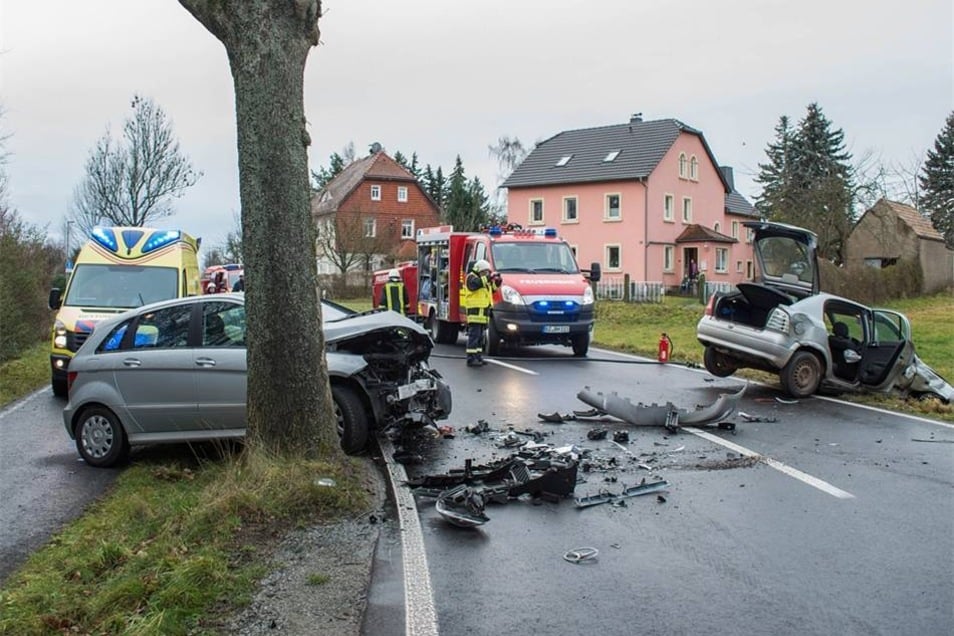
x,y
160,239
105,237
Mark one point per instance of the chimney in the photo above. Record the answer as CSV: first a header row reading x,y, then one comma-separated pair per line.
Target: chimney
x,y
635,118
730,179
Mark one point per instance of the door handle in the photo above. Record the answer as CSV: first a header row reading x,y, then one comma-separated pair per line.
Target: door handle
x,y
132,362
205,362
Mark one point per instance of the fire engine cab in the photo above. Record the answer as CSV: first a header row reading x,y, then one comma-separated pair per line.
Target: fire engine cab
x,y
544,298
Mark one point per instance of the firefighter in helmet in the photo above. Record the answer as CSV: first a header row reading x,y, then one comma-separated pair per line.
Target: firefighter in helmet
x,y
394,294
478,297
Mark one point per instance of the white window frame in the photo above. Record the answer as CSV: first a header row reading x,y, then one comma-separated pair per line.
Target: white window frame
x,y
669,258
402,194
738,267
565,159
722,260
407,229
619,206
717,227
669,208
370,228
619,257
375,193
735,229
576,209
749,235
683,165
611,156
687,210
534,221
693,168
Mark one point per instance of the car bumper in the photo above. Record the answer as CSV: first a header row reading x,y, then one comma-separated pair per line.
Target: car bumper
x,y
519,326
770,348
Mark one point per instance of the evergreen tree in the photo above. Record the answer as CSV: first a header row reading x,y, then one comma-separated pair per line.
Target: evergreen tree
x,y
458,208
774,175
400,159
435,185
321,177
937,182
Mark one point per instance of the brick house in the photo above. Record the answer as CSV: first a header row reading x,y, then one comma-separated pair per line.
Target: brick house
x,y
643,198
892,231
367,216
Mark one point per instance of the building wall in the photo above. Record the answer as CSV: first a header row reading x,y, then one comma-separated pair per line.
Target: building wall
x,y
390,213
937,263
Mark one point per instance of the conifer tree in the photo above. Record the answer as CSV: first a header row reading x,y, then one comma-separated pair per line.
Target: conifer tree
x,y
774,174
937,182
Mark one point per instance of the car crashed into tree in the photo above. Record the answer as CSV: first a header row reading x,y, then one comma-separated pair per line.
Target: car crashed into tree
x,y
782,323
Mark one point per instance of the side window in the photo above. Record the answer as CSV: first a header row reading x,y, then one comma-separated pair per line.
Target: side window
x,y
223,325
163,329
115,339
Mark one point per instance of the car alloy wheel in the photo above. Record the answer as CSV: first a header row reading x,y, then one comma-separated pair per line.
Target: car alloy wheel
x,y
100,438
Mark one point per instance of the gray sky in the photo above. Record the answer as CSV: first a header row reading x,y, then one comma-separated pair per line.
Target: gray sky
x,y
448,77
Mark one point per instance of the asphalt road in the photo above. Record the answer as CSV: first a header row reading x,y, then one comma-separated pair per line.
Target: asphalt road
x,y
842,524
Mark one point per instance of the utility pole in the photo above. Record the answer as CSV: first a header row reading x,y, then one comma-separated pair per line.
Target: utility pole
x,y
69,262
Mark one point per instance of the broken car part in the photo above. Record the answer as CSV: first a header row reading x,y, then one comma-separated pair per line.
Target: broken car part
x,y
665,415
633,491
579,555
462,506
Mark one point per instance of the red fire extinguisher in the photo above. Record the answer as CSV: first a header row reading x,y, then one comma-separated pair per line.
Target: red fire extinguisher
x,y
665,348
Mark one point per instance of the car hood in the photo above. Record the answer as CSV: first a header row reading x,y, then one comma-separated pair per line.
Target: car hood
x,y
375,321
786,257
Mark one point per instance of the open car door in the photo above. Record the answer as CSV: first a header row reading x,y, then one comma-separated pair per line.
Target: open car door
x,y
888,349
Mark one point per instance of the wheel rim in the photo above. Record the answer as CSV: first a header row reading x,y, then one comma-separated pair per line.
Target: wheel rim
x,y
805,374
98,436
339,420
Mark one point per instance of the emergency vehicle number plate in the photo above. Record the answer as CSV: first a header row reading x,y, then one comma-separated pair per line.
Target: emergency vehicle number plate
x,y
556,328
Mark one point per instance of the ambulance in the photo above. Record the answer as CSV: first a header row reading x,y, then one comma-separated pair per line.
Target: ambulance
x,y
544,298
117,269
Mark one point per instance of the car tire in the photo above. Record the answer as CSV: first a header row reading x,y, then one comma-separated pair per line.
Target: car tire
x,y
352,419
581,344
718,364
802,375
493,344
60,387
100,437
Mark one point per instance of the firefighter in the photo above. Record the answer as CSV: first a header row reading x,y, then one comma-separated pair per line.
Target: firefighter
x,y
479,287
394,294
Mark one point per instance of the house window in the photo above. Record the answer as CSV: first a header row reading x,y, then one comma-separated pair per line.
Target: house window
x,y
694,168
749,234
682,165
749,272
686,210
612,207
669,258
407,228
722,260
370,228
738,267
536,211
717,226
375,193
565,159
569,210
612,155
668,205
612,257
735,229
402,194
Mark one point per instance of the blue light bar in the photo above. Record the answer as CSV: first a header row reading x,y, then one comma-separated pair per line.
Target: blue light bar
x,y
105,237
495,231
550,232
161,239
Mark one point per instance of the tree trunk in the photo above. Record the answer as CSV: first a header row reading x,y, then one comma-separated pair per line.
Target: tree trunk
x,y
290,410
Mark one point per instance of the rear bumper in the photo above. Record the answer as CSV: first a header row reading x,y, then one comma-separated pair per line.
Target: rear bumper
x,y
763,347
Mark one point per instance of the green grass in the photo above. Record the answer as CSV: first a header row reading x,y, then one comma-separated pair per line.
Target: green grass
x,y
25,374
173,546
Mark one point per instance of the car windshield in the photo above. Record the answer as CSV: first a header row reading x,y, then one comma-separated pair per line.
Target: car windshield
x,y
120,286
530,256
785,258
333,312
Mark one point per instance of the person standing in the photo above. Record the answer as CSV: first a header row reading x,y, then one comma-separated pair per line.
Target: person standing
x,y
394,294
239,285
478,297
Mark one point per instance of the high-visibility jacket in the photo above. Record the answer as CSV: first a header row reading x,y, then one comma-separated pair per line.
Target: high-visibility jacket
x,y
394,297
477,297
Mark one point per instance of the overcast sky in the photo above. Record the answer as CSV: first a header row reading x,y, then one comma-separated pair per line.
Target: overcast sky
x,y
448,77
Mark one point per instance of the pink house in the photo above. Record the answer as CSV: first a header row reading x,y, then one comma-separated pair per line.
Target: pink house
x,y
645,198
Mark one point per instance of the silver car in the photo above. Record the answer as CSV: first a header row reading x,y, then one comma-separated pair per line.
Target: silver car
x,y
782,324
174,371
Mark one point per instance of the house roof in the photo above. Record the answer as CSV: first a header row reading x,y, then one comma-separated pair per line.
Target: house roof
x,y
920,224
641,146
735,203
695,233
376,166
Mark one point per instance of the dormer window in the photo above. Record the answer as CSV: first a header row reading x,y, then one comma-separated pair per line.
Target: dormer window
x,y
611,156
565,159
683,165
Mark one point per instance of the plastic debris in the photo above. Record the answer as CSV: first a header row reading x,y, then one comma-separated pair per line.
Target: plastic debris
x,y
581,555
462,506
621,437
596,433
633,491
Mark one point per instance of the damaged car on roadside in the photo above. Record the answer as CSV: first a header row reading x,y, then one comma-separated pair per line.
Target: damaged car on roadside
x,y
175,371
782,323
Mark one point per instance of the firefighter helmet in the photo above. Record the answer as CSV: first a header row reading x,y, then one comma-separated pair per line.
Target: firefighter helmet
x,y
394,275
481,266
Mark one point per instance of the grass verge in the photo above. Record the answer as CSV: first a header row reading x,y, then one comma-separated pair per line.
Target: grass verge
x,y
175,546
25,374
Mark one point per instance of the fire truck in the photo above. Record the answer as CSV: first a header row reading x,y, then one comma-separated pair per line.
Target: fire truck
x,y
544,298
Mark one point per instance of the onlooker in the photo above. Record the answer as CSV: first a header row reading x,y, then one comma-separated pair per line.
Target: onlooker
x,y
239,285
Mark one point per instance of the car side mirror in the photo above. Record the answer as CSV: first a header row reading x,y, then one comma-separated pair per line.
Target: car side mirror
x,y
852,356
594,272
55,300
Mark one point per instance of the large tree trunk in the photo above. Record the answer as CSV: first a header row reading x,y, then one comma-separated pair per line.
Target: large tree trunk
x,y
267,41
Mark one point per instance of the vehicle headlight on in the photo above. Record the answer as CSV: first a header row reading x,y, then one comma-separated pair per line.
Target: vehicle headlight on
x,y
511,295
778,320
588,297
59,335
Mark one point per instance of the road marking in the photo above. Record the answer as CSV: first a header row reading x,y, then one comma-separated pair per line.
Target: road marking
x,y
512,366
420,616
814,482
16,407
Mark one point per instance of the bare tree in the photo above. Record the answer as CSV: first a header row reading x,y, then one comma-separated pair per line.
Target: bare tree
x,y
290,410
134,180
352,240
509,154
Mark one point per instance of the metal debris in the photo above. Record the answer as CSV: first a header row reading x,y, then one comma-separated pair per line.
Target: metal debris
x,y
633,491
462,506
581,555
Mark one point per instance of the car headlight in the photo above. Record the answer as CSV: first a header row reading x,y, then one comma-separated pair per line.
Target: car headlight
x,y
59,335
588,297
511,295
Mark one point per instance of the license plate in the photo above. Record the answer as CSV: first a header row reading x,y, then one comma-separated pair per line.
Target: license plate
x,y
409,390
556,329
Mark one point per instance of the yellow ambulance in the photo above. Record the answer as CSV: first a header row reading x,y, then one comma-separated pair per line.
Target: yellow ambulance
x,y
117,269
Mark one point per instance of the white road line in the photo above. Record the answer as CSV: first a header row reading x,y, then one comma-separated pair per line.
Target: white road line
x,y
17,406
511,366
420,616
814,482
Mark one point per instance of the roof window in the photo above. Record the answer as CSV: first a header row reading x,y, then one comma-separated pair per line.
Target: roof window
x,y
565,159
611,156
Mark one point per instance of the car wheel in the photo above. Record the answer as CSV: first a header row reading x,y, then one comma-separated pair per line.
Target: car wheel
x,y
581,344
493,339
802,375
718,364
352,419
60,388
100,438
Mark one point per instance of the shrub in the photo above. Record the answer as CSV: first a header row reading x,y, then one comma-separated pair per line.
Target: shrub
x,y
872,286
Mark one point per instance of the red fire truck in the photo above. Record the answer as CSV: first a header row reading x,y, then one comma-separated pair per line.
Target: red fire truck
x,y
545,298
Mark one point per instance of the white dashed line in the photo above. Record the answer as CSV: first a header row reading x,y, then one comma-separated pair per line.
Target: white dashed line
x,y
512,366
